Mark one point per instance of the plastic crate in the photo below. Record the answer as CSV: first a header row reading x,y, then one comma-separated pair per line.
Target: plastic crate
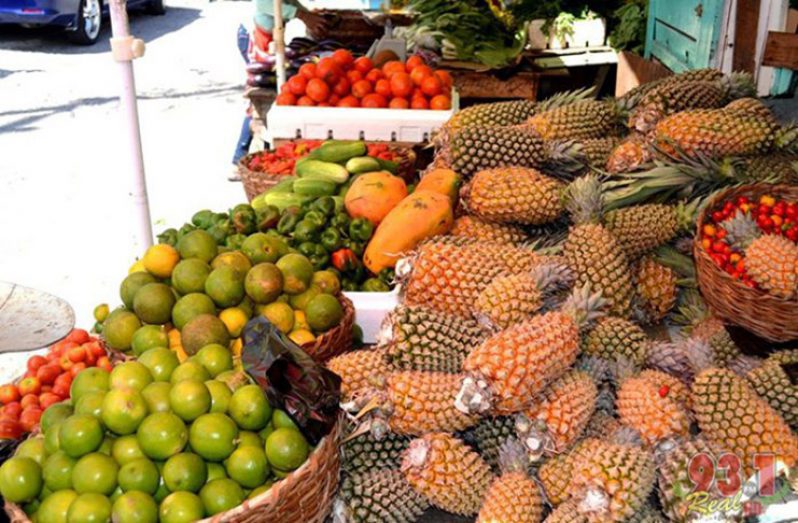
x,y
370,309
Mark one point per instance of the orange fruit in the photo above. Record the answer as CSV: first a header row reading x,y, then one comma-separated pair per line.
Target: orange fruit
x,y
363,64
383,87
343,58
297,85
432,86
361,88
318,90
440,103
419,73
399,103
401,85
374,101
285,99
308,71
393,67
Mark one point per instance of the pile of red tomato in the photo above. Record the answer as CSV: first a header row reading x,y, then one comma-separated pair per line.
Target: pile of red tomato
x,y
341,80
47,381
282,159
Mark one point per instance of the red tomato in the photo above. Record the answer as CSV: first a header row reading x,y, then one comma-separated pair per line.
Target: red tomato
x,y
49,373
297,85
29,400
96,348
35,362
305,102
440,103
77,354
393,67
10,429
383,87
343,58
308,70
401,85
29,419
334,99
285,99
76,368
341,87
399,103
363,64
374,76
48,398
28,386
374,101
354,76
11,411
445,78
105,363
78,336
413,62
420,73
361,89
65,362
432,86
318,90
349,101
328,70
284,88
419,102
9,394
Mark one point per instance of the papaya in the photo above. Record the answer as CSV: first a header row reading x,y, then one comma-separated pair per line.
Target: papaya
x,y
421,215
443,181
373,195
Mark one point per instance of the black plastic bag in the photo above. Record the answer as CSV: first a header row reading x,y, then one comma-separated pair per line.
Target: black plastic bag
x,y
308,392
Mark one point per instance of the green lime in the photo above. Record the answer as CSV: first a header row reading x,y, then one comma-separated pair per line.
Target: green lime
x,y
246,437
220,395
148,337
189,307
91,403
162,435
281,474
327,282
197,244
131,374
51,438
162,491
95,472
225,286
116,494
286,449
181,507
33,448
297,273
153,304
119,327
20,479
324,312
235,259
300,301
31,507
190,275
126,449
107,445
264,282
89,508
123,410
54,414
139,474
220,495
185,471
92,379
161,362
260,490
262,248
268,429
57,471
55,507
156,395
189,370
189,399
249,408
80,434
213,436
281,420
248,466
215,358
215,471
130,286
134,507
281,315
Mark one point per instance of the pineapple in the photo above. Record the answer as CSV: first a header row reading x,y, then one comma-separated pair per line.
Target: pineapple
x,y
704,328
751,106
657,289
365,452
629,155
361,369
498,114
572,512
671,358
601,425
770,260
641,228
447,472
418,338
733,418
634,96
598,150
513,496
555,476
578,121
510,367
776,381
513,195
448,277
478,229
378,496
508,300
473,149
674,480
771,168
592,251
563,412
488,435
615,338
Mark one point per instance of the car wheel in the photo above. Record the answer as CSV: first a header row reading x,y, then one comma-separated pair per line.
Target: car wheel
x,y
89,23
156,7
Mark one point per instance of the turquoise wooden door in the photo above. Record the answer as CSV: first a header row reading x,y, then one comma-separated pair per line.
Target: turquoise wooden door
x,y
683,34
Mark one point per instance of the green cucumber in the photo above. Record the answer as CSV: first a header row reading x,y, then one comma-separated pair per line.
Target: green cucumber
x,y
320,170
337,151
388,165
314,187
283,200
284,185
362,164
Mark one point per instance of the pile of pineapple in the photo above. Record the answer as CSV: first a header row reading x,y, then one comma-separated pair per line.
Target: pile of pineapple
x,y
551,359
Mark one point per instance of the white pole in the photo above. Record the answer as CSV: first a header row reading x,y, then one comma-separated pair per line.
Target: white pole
x,y
279,42
124,49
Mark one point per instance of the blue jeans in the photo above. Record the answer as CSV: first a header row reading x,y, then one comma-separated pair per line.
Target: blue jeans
x,y
244,140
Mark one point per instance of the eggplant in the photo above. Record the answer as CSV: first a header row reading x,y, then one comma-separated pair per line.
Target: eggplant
x,y
265,80
258,68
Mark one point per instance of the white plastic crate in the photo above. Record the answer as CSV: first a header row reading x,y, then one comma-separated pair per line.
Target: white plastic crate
x,y
344,123
370,309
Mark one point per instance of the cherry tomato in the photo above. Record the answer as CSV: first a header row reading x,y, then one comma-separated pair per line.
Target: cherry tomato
x,y
29,419
9,394
105,363
35,362
767,200
30,385
77,354
78,336
48,374
11,411
76,368
10,429
48,398
29,400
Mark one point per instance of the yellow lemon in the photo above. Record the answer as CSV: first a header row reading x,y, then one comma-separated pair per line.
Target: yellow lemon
x,y
281,315
302,336
234,319
101,312
160,260
138,266
300,321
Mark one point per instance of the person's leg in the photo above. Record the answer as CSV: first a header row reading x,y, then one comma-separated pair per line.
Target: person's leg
x,y
242,147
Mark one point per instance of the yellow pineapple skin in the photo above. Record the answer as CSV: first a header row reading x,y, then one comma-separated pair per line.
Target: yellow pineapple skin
x,y
424,402
629,155
508,300
733,418
473,227
641,228
580,120
773,384
520,361
656,286
555,477
514,195
772,262
512,497
447,472
361,369
613,338
566,408
655,404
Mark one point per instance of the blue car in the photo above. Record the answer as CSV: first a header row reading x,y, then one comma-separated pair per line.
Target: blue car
x,y
82,19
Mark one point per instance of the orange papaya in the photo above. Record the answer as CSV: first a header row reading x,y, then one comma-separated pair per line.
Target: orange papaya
x,y
373,195
443,181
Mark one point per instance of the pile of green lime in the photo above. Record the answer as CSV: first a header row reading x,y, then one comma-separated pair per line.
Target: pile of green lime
x,y
141,445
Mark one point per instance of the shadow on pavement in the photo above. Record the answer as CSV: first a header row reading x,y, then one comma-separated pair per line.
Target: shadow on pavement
x,y
54,40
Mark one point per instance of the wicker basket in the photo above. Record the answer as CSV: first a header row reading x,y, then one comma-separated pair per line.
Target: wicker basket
x,y
305,495
763,314
336,340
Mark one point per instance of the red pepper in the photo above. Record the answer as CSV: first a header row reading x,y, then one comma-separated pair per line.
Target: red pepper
x,y
344,259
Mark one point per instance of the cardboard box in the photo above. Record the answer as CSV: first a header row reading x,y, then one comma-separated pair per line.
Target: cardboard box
x,y
634,70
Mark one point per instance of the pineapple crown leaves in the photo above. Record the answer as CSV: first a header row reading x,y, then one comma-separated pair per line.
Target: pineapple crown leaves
x,y
584,306
584,199
787,138
596,367
622,369
699,352
741,230
565,98
691,310
513,457
739,84
743,364
552,275
683,265
565,158
626,437
670,358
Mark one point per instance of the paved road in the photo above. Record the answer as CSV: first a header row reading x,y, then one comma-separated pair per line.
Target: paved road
x,y
66,219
